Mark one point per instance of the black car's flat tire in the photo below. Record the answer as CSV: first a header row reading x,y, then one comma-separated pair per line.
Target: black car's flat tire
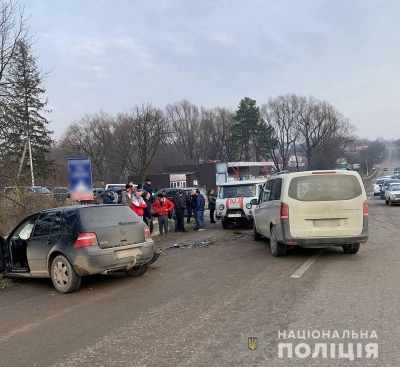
x,y
64,278
256,235
351,249
137,271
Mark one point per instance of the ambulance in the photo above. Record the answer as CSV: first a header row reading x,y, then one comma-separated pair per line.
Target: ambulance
x,y
236,201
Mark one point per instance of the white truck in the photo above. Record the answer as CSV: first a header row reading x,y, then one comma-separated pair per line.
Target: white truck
x,y
236,201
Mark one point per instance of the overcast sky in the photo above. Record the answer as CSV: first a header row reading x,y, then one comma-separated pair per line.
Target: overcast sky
x,y
111,55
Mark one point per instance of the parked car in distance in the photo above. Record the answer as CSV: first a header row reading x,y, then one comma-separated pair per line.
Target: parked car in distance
x,y
61,191
68,243
385,185
97,191
314,209
385,169
10,189
41,190
392,193
378,183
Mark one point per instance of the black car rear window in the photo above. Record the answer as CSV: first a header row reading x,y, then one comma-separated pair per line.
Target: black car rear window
x,y
330,187
93,217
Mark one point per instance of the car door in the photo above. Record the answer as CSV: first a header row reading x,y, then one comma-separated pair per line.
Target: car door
x,y
273,205
261,215
45,234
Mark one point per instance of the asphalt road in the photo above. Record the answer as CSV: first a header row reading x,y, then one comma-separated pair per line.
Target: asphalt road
x,y
199,305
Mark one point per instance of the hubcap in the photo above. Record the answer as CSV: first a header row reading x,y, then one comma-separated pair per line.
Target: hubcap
x,y
60,274
273,243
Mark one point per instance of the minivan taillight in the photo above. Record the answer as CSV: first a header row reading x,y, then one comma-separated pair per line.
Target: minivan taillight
x,y
365,208
284,211
147,233
86,239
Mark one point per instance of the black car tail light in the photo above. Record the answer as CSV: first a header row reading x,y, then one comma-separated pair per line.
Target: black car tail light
x,y
86,239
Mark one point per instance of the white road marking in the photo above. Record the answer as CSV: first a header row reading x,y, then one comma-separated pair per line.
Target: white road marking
x,y
302,269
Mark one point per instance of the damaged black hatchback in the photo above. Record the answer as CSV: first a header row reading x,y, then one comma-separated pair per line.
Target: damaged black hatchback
x,y
68,243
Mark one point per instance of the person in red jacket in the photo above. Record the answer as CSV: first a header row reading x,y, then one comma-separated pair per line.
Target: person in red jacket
x,y
138,203
162,206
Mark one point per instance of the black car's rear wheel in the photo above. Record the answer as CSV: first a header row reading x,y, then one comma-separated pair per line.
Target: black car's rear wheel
x,y
137,271
64,278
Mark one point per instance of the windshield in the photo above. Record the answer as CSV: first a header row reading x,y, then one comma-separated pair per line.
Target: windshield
x,y
395,188
237,191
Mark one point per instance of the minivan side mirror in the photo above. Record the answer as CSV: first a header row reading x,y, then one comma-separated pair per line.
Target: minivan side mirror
x,y
253,202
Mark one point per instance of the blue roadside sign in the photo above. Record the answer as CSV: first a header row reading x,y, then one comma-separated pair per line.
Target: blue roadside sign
x,y
80,177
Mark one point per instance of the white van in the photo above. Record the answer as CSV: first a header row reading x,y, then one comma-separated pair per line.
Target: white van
x,y
236,200
312,209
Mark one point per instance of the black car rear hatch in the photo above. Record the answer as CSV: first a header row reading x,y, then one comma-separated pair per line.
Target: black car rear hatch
x,y
114,225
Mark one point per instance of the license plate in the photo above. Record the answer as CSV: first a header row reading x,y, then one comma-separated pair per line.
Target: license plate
x,y
132,252
326,223
234,215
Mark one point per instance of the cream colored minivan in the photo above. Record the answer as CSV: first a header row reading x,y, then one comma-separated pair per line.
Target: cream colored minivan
x,y
313,209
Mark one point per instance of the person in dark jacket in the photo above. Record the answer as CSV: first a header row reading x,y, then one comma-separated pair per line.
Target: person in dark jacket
x,y
200,203
194,201
108,198
147,187
147,217
211,204
189,208
180,206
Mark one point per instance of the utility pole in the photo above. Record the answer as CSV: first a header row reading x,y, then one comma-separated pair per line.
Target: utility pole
x,y
30,159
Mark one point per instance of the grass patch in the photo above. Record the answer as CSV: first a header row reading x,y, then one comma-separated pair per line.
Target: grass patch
x,y
5,283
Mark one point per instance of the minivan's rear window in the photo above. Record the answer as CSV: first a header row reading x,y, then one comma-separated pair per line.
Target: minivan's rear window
x,y
93,217
330,187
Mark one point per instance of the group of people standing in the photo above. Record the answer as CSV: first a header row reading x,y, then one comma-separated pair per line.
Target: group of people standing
x,y
141,201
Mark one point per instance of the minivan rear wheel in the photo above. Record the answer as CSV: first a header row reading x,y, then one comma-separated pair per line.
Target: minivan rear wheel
x,y
63,275
137,271
351,249
277,249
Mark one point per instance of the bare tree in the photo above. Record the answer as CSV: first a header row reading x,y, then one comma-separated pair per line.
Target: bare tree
x,y
92,137
138,136
322,129
282,114
185,119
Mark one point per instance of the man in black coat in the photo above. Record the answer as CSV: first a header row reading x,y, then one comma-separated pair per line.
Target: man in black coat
x,y
180,206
